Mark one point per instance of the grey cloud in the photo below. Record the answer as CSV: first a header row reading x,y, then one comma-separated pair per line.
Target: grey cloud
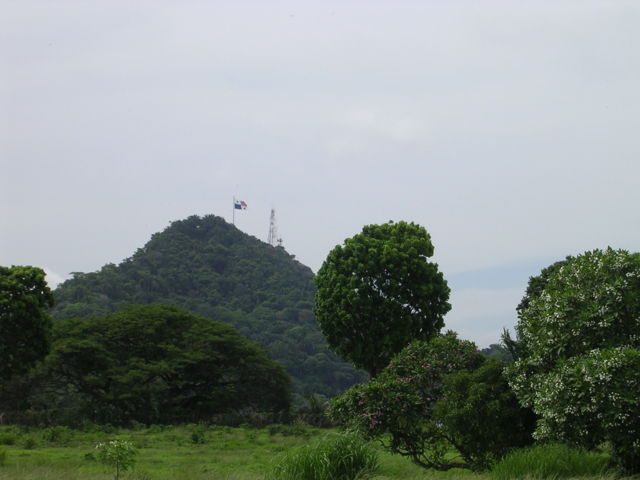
x,y
507,129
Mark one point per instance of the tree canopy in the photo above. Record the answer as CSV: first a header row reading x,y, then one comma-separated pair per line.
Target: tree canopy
x,y
514,347
209,267
24,324
378,291
536,284
155,364
580,337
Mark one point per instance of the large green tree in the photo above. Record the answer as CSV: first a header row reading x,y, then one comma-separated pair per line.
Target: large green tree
x,y
379,291
25,327
153,363
581,339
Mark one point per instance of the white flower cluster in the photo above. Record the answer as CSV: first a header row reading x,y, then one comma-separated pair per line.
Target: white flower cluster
x,y
581,335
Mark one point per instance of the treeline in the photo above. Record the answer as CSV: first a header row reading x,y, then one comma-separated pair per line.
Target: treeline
x,y
212,269
569,374
146,364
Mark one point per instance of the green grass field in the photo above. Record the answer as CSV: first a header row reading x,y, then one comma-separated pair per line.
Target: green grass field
x,y
189,452
186,452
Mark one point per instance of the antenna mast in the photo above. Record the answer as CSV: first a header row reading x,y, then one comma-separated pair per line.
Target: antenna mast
x,y
273,238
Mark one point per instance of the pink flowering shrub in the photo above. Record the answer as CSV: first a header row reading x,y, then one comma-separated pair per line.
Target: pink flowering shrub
x,y
397,405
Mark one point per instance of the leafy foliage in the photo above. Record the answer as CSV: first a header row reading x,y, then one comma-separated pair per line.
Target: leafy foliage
x,y
592,398
536,284
498,351
582,336
514,346
397,406
212,269
120,454
481,416
24,323
378,291
156,364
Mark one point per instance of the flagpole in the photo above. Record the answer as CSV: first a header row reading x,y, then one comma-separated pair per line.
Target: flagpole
x,y
234,211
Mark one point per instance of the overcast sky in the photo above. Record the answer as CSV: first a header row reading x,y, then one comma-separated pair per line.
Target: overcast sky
x,y
509,130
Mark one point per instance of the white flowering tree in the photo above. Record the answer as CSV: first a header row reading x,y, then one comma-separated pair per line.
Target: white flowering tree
x,y
120,454
580,372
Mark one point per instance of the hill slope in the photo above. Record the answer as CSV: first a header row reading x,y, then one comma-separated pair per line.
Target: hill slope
x,y
213,269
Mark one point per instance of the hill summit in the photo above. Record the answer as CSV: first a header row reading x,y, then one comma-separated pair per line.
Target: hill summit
x,y
211,268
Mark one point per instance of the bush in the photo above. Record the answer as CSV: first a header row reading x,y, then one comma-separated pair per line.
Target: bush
x,y
397,405
313,412
343,456
117,453
7,438
29,443
155,428
594,397
57,434
481,415
551,461
198,435
88,426
3,456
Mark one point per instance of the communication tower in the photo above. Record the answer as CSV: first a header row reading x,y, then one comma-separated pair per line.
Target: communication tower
x,y
273,238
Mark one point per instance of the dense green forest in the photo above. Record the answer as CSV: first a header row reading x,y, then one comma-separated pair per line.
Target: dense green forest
x,y
211,268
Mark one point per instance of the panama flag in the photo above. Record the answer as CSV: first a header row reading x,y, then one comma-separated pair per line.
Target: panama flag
x,y
240,205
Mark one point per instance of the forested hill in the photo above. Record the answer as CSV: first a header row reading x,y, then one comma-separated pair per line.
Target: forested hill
x,y
211,268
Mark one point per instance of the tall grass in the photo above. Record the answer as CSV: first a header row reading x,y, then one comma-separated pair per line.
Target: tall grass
x,y
551,461
334,457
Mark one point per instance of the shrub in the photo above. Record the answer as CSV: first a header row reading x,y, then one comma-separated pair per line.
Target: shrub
x,y
7,438
117,453
106,428
342,456
29,443
313,412
57,434
155,428
594,397
3,456
481,416
198,435
397,405
276,428
551,461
